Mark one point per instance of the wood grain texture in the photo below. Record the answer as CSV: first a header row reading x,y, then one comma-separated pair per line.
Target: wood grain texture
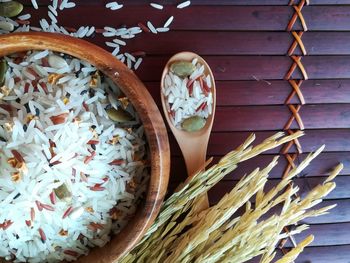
x,y
149,115
204,2
336,140
248,18
339,214
258,67
245,44
318,167
305,184
258,118
273,92
334,254
326,235
237,43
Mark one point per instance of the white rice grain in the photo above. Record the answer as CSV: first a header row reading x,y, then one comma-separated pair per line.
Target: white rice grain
x,y
40,55
111,44
108,34
119,42
138,63
129,56
129,63
162,29
169,21
24,17
116,51
44,24
114,6
151,27
90,32
52,17
55,4
183,4
35,4
156,6
70,5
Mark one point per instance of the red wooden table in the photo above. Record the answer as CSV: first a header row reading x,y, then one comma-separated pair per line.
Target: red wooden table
x,y
246,44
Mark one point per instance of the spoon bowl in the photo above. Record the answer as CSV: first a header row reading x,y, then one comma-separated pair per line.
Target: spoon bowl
x,y
192,144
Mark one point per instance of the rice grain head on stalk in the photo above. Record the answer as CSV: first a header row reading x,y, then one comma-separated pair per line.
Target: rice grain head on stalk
x,y
181,233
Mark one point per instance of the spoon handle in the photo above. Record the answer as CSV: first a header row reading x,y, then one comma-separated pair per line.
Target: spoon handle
x,y
195,157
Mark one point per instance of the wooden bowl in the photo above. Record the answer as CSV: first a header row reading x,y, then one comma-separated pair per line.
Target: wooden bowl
x,y
149,114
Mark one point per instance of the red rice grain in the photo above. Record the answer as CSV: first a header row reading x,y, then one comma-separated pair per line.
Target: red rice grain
x,y
42,235
68,212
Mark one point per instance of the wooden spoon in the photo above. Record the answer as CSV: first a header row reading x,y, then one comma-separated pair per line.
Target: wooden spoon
x,y
193,144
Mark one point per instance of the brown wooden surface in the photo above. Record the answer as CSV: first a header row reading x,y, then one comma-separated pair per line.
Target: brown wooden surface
x,y
154,129
275,92
319,167
259,67
245,43
238,43
208,2
250,18
336,140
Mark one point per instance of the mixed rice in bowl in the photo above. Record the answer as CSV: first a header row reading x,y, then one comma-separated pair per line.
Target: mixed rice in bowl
x,y
73,157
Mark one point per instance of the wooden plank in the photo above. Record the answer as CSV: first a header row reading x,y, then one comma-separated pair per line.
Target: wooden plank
x,y
239,93
339,214
258,67
318,167
334,254
223,142
267,18
325,235
255,118
206,2
237,43
273,92
305,184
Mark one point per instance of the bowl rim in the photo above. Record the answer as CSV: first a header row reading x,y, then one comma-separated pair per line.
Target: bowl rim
x,y
150,116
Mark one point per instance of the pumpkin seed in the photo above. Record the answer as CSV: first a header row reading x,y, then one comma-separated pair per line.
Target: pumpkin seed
x,y
194,123
63,193
119,115
10,9
182,68
3,70
6,26
57,62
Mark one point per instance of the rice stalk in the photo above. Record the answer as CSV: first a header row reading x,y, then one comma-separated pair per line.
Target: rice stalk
x,y
295,252
182,234
202,181
214,217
